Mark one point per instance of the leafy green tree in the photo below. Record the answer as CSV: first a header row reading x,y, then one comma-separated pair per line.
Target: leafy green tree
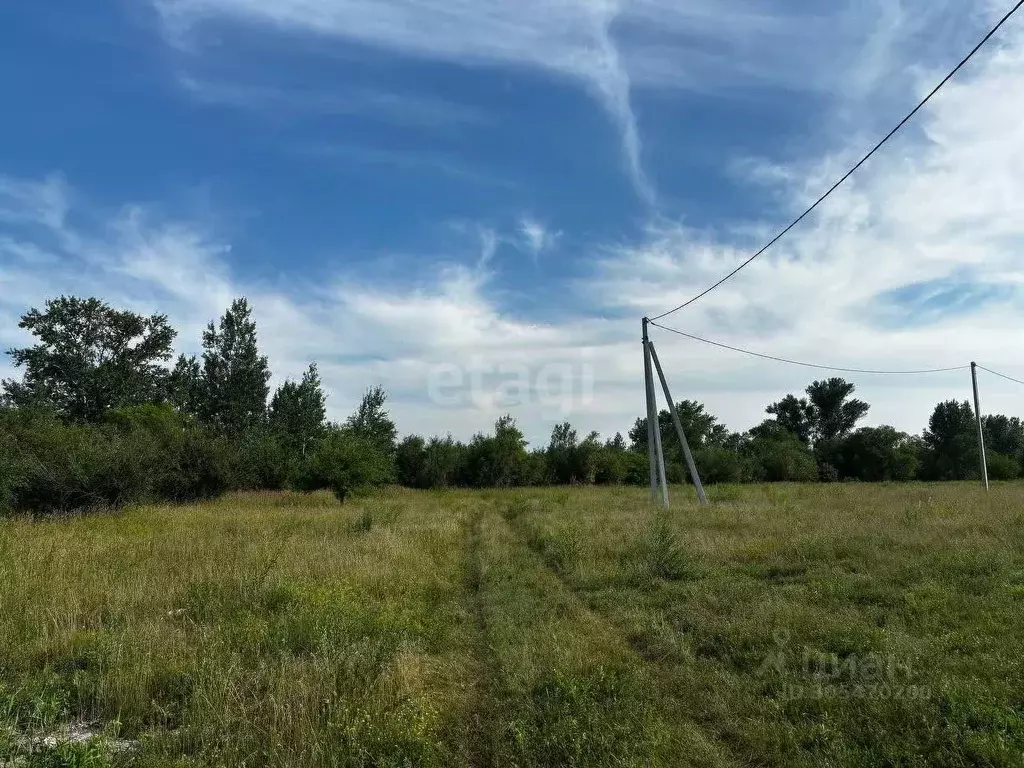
x,y
826,414
700,427
89,358
795,415
1001,467
372,422
263,461
612,462
498,460
346,463
435,463
185,386
951,440
717,464
411,462
235,374
775,454
444,459
298,410
570,460
877,454
561,452
617,443
12,469
510,452
834,413
1003,435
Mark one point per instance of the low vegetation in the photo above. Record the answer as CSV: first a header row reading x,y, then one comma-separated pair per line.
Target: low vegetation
x,y
100,419
787,625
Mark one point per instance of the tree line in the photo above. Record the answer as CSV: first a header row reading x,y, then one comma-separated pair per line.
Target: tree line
x,y
101,417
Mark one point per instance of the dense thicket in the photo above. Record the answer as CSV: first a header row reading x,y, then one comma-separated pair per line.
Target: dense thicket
x,y
97,419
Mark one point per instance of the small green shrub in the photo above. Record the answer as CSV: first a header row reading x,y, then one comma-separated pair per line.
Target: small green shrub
x,y
68,467
262,463
346,464
363,523
198,467
718,465
1001,467
666,559
10,471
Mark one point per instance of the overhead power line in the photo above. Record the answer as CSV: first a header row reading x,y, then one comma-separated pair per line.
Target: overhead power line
x,y
809,365
853,170
1000,375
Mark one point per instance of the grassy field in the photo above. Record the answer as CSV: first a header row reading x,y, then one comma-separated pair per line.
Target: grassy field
x,y
786,625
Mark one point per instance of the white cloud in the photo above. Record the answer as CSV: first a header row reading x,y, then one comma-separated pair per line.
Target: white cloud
x,y
613,47
535,237
282,102
941,203
360,331
603,44
569,38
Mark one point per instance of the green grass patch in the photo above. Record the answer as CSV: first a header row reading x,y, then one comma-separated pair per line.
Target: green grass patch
x,y
786,625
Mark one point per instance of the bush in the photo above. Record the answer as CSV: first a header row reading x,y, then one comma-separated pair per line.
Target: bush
x,y
718,465
71,467
262,462
781,458
411,462
1001,466
443,462
346,464
637,468
192,462
611,466
198,466
161,421
10,471
666,558
875,454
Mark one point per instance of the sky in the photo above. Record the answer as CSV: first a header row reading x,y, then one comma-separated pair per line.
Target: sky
x,y
474,202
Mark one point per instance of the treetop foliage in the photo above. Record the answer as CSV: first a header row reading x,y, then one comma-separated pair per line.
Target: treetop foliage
x,y
89,358
98,419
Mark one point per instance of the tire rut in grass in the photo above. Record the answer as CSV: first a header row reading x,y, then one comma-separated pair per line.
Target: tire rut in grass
x,y
484,719
558,557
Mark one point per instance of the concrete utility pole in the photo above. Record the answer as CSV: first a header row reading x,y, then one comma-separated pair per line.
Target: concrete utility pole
x,y
650,424
657,457
679,428
981,432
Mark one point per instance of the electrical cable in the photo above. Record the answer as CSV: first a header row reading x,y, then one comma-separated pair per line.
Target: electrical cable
x,y
853,170
1001,375
809,365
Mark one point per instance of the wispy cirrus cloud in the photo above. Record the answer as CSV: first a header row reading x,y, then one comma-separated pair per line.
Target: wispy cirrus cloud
x,y
361,329
414,110
914,263
612,47
407,160
535,236
938,209
571,39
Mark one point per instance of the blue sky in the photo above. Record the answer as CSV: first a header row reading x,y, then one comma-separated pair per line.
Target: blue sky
x,y
404,186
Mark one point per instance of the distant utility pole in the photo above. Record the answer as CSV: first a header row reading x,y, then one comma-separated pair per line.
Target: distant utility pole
x,y
654,452
654,448
981,432
679,427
